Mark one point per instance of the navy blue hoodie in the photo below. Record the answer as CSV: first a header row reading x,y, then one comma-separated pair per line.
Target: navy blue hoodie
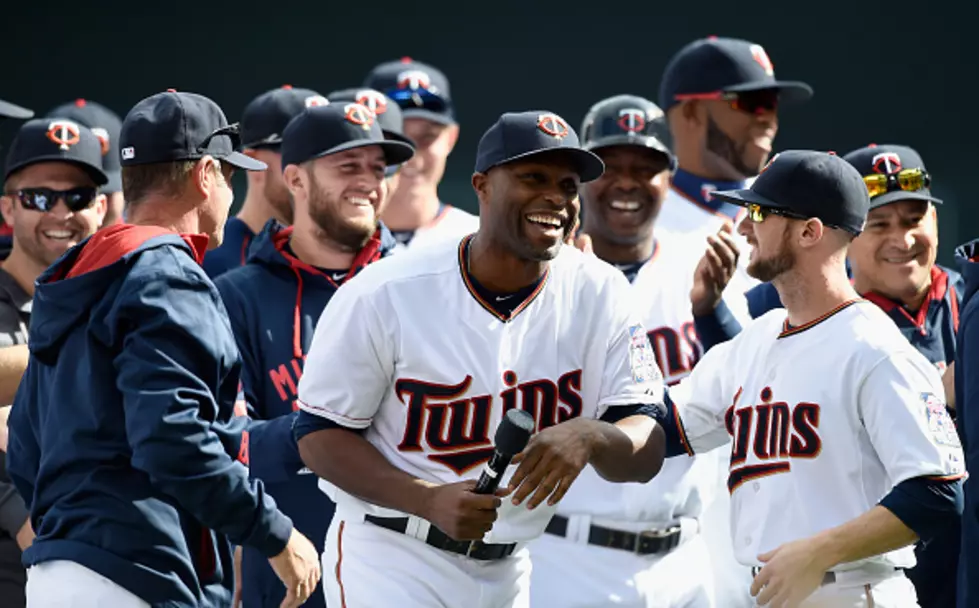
x,y
273,302
123,439
967,406
233,250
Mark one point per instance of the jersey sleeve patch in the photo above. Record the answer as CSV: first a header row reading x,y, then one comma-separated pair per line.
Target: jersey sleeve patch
x,y
942,431
642,361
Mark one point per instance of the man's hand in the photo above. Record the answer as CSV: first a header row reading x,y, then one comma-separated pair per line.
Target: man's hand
x,y
714,271
792,572
462,514
236,600
298,567
552,461
25,536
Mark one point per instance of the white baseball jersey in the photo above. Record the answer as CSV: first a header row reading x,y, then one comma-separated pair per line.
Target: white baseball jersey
x,y
450,224
661,291
693,222
824,419
408,351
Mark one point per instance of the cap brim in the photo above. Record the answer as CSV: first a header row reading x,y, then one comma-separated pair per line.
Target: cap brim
x,y
9,110
395,152
96,173
115,182
243,161
640,141
395,136
790,91
900,195
442,119
744,198
588,165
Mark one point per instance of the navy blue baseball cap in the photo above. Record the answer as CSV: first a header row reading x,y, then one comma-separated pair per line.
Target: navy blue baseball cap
x,y
519,135
324,130
886,168
420,89
627,120
9,110
173,126
106,125
712,67
56,140
807,184
387,111
265,117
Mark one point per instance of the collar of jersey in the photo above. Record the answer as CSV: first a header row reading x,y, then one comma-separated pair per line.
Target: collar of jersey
x,y
467,280
789,330
697,190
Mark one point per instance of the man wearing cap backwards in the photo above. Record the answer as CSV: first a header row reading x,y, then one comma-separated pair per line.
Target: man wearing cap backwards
x,y
122,436
106,125
418,358
892,264
334,168
262,124
641,541
51,201
842,452
415,214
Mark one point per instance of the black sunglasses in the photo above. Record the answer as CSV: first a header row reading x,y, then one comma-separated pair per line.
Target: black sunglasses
x,y
231,131
46,199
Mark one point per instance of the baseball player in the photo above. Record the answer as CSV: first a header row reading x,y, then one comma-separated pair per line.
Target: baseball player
x,y
641,541
892,264
415,214
262,123
967,397
332,165
123,441
842,452
106,125
417,359
9,110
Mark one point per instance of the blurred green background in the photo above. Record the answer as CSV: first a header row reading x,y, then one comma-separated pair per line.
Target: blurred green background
x,y
896,72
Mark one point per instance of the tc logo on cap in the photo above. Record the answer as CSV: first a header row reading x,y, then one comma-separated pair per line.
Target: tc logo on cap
x,y
886,163
359,115
632,120
372,100
414,80
103,136
758,54
553,125
315,101
63,133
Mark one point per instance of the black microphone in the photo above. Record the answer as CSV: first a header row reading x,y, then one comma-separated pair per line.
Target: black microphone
x,y
511,438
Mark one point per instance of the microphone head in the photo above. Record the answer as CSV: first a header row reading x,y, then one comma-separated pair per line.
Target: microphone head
x,y
514,432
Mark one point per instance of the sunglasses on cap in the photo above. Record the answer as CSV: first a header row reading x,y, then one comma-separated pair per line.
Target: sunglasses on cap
x,y
409,99
750,102
46,199
908,180
231,131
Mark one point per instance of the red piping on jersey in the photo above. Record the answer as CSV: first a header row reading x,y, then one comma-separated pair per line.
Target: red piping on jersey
x,y
699,205
371,252
463,248
936,292
788,330
343,596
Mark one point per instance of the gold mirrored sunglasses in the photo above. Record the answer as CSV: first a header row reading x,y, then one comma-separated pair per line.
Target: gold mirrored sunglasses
x,y
757,213
908,180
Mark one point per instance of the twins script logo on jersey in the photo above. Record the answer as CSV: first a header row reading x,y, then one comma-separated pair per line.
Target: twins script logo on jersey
x,y
455,426
676,351
770,434
886,163
63,133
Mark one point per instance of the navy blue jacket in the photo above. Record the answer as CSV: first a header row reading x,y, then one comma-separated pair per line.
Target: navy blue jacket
x,y
273,302
233,251
123,439
967,406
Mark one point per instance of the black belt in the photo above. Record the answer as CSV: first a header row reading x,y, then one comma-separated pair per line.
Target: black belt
x,y
441,540
828,579
647,542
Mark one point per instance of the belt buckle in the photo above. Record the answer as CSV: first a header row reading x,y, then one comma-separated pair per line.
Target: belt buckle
x,y
657,535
